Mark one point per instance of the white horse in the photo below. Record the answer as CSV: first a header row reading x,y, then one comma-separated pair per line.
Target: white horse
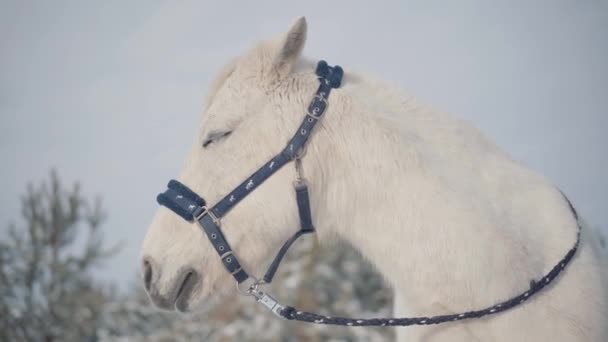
x,y
451,221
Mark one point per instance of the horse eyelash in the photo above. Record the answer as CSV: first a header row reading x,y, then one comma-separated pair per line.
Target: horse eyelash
x,y
215,137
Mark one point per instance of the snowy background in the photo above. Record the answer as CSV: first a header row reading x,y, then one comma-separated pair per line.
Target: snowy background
x,y
109,92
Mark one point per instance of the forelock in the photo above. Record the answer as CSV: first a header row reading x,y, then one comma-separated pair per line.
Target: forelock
x,y
219,80
253,64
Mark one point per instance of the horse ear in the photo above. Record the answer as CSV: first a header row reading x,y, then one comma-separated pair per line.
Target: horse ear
x,y
290,47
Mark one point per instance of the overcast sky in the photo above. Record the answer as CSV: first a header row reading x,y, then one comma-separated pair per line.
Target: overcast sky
x,y
109,92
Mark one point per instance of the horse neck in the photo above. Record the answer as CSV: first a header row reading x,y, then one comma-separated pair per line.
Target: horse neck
x,y
402,188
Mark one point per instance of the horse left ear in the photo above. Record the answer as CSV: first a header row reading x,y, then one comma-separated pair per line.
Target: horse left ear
x,y
290,47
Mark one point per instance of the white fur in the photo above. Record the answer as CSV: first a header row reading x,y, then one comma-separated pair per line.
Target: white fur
x,y
449,219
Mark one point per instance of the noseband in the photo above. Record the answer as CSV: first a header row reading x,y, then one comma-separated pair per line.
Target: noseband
x,y
193,208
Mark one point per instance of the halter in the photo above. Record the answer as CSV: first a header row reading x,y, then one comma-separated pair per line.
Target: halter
x,y
193,208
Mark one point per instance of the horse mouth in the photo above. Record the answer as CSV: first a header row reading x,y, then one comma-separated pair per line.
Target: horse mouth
x,y
185,291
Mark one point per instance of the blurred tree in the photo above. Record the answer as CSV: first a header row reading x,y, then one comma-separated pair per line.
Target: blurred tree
x,y
331,279
46,289
47,292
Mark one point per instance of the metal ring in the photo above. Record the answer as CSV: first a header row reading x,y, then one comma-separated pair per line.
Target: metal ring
x,y
300,152
253,287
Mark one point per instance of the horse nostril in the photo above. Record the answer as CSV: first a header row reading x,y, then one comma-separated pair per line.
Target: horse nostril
x,y
147,269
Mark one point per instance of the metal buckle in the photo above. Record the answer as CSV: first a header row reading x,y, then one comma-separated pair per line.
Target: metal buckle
x,y
226,254
236,271
208,211
324,100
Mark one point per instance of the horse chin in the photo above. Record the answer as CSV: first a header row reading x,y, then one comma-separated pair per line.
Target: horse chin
x,y
198,305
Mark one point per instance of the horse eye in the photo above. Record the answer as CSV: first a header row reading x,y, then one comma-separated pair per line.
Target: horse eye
x,y
213,137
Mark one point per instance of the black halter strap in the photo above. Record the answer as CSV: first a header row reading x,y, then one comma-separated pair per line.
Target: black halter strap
x,y
191,207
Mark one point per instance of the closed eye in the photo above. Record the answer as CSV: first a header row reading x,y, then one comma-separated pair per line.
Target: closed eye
x,y
215,136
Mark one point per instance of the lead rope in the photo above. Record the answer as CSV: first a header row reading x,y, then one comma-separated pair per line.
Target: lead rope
x,y
291,313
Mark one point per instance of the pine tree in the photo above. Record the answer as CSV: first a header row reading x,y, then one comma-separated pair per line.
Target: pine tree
x,y
47,292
